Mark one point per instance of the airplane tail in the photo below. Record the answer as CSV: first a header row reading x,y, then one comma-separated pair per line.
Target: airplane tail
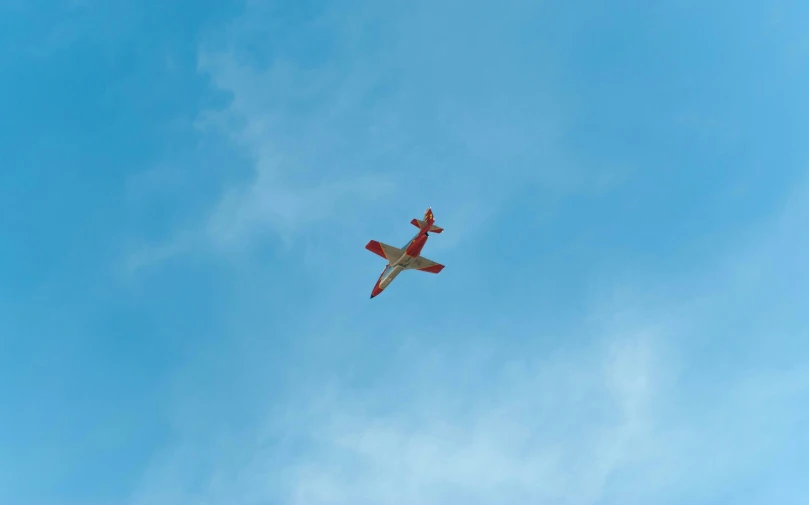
x,y
421,224
428,221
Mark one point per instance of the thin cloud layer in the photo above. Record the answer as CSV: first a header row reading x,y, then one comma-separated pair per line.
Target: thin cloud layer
x,y
616,423
341,119
536,431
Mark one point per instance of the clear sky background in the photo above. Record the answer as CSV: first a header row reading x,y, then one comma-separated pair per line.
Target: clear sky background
x,y
186,189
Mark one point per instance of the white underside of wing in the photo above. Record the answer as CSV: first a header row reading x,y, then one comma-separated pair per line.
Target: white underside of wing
x,y
392,253
420,262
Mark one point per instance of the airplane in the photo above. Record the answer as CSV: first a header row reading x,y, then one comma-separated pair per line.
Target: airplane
x,y
407,258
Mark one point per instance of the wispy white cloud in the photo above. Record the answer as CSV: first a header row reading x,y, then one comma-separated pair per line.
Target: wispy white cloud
x,y
534,430
263,206
306,131
615,423
357,114
146,255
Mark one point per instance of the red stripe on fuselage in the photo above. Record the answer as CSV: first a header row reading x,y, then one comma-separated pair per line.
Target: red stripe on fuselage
x,y
415,247
376,289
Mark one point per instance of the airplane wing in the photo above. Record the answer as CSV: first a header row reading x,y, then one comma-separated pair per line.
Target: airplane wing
x,y
423,264
388,252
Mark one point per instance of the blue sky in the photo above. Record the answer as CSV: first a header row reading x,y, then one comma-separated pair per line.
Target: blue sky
x,y
187,188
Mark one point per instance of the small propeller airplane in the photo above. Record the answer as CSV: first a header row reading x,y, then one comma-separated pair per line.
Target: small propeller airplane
x,y
407,258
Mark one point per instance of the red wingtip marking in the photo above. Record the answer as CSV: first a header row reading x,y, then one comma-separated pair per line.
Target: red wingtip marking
x,y
434,269
375,248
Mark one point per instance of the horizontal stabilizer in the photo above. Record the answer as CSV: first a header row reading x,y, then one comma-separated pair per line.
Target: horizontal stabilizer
x,y
422,264
420,224
386,251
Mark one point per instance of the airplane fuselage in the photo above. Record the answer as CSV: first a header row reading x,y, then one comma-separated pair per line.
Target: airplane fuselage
x,y
412,251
